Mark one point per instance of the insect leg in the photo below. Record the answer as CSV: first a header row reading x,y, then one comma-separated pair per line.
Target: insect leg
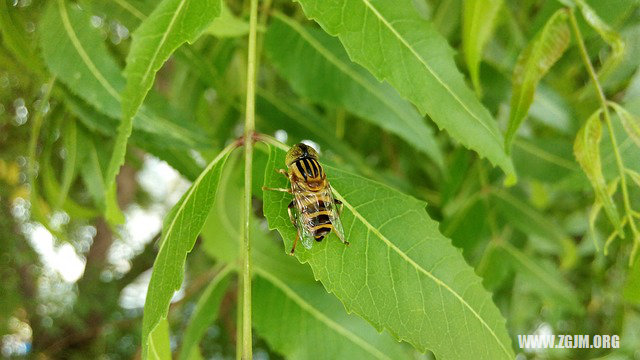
x,y
283,172
295,242
292,216
277,189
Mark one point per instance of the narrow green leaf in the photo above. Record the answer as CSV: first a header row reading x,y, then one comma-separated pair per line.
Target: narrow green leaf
x,y
69,167
159,345
380,35
611,37
534,61
530,221
338,82
205,312
178,237
547,281
172,23
92,174
399,273
586,149
52,192
293,318
631,291
479,20
597,206
75,52
227,25
630,122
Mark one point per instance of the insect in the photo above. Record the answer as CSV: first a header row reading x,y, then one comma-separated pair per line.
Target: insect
x,y
313,210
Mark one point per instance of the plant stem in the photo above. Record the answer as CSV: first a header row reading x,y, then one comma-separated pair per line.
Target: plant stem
x,y
249,129
614,143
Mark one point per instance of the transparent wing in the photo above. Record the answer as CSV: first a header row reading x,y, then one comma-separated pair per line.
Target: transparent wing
x,y
335,217
302,201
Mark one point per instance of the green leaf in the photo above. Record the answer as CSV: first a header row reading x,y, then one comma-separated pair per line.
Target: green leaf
x,y
392,41
544,278
399,273
611,37
586,149
534,61
205,312
338,82
531,222
290,285
479,20
227,25
178,237
69,167
92,173
293,318
172,23
631,291
630,122
75,52
159,345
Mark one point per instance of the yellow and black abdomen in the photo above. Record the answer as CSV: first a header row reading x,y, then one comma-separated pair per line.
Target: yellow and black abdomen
x,y
317,216
307,169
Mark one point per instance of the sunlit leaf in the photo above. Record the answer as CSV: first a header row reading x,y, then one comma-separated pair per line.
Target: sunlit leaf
x,y
479,20
338,82
159,346
227,25
586,148
179,233
399,273
283,288
534,61
380,35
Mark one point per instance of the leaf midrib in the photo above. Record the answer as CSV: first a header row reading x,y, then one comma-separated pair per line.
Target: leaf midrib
x,y
433,73
319,315
83,54
344,68
175,16
96,72
435,279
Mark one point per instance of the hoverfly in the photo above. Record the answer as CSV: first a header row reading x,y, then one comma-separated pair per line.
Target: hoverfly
x,y
313,210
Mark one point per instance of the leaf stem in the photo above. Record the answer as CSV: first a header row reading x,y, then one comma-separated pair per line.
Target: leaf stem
x,y
614,143
249,129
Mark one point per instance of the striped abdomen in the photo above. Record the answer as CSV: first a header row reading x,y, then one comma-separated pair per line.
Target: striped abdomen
x,y
316,215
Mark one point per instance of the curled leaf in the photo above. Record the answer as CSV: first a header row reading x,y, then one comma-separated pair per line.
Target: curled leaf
x,y
586,149
539,56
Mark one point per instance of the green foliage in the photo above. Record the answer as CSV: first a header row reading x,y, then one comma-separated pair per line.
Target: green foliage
x,y
533,63
397,267
87,86
395,34
587,151
179,233
205,312
478,24
338,82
